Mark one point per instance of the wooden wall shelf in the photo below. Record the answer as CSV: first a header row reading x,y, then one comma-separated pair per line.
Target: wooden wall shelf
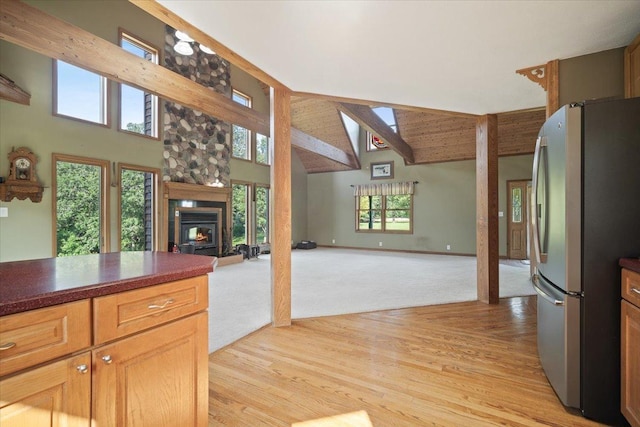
x,y
21,191
12,92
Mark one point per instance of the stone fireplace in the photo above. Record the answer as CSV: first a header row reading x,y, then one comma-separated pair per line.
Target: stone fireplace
x,y
197,215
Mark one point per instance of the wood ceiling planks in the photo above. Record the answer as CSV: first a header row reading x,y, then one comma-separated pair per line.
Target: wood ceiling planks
x,y
320,119
315,163
436,138
518,131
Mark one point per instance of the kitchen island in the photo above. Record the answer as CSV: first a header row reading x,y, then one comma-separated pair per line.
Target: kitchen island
x,y
117,338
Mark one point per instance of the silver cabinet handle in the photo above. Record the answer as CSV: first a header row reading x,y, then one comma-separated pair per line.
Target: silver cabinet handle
x,y
7,346
636,290
159,307
83,369
107,360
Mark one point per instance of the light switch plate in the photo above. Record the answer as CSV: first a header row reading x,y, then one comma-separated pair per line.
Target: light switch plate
x,y
4,212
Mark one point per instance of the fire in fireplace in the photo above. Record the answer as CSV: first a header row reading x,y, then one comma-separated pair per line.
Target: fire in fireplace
x,y
199,227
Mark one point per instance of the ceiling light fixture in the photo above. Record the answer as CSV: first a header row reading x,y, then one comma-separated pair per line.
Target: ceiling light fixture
x,y
206,49
183,48
183,36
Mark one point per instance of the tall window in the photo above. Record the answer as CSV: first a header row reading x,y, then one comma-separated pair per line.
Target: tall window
x,y
262,150
262,214
138,187
241,137
81,188
79,94
138,109
391,213
240,211
386,114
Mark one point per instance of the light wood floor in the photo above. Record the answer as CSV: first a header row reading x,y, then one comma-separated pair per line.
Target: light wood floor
x,y
464,364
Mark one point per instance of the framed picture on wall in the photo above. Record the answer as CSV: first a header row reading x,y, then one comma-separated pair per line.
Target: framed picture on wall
x,y
382,170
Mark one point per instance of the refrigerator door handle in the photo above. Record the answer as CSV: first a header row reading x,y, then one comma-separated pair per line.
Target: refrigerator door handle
x,y
541,143
542,293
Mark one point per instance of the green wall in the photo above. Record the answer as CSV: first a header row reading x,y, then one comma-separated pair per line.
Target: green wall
x,y
444,208
593,76
243,170
27,232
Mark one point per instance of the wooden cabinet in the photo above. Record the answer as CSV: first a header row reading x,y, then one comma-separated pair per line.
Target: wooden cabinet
x,y
37,336
57,394
130,373
145,364
125,313
630,351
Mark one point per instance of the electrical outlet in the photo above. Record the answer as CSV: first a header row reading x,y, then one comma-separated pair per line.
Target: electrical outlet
x,y
448,247
333,241
379,243
4,212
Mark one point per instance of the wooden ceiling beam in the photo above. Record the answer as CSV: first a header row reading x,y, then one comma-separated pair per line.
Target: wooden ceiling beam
x,y
369,120
341,99
36,30
312,144
33,29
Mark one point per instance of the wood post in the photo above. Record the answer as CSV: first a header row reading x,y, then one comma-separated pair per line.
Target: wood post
x,y
553,87
281,206
487,208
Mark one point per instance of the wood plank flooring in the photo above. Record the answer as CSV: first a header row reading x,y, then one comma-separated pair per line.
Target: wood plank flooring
x,y
464,364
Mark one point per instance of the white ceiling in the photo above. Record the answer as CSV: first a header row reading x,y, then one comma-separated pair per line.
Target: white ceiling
x,y
449,55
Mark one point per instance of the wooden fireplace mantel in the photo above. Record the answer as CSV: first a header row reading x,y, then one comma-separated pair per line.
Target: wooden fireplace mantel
x,y
196,192
182,191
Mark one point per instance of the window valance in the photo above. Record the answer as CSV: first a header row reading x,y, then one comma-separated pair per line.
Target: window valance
x,y
386,189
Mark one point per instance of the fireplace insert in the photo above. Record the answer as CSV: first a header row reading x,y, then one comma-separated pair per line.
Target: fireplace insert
x,y
201,230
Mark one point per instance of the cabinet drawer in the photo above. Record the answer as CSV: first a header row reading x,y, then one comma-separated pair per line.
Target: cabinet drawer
x,y
631,286
129,312
33,337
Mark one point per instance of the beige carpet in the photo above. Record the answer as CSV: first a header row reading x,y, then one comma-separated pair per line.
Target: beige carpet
x,y
327,281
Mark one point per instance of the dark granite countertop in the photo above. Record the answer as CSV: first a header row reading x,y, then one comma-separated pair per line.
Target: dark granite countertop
x,y
632,264
31,284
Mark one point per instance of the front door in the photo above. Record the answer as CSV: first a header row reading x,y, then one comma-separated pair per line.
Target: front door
x,y
517,219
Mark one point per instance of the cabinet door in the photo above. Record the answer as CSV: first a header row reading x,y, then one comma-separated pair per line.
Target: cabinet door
x,y
58,394
631,363
158,378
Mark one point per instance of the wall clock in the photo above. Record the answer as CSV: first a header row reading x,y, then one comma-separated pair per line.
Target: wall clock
x,y
22,181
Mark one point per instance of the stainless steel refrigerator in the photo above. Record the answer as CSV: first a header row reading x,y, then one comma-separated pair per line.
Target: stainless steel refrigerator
x,y
586,189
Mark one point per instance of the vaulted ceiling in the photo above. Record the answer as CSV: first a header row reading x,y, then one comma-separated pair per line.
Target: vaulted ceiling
x,y
432,137
430,57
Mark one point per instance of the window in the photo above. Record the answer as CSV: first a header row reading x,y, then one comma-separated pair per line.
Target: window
x,y
241,137
240,212
138,189
81,192
262,150
385,113
79,94
385,213
138,109
516,205
369,213
262,214
384,207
